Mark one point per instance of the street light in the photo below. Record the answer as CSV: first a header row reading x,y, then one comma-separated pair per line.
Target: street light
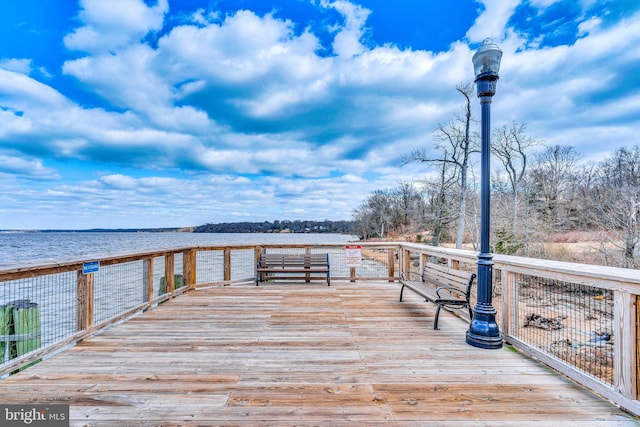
x,y
483,331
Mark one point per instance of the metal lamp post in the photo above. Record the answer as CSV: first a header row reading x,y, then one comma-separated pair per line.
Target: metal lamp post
x,y
483,331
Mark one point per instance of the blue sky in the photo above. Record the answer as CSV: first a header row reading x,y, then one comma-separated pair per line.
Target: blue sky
x,y
168,113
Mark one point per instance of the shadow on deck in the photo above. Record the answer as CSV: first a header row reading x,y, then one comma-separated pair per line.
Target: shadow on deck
x,y
301,354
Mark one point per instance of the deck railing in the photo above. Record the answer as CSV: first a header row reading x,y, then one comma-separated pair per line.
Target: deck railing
x,y
582,320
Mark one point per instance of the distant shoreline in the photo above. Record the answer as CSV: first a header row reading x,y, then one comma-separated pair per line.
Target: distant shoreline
x,y
104,230
285,226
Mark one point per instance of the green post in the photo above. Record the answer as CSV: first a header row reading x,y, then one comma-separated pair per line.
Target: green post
x,y
5,324
19,329
178,282
26,318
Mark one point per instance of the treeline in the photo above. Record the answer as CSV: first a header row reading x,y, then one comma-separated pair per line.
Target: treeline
x,y
551,195
539,194
297,226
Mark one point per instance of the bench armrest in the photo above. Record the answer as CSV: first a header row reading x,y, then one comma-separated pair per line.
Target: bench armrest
x,y
451,290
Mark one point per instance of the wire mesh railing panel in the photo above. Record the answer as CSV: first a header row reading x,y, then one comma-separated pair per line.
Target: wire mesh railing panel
x,y
496,293
118,289
36,312
210,266
243,264
178,265
158,276
375,263
337,262
570,321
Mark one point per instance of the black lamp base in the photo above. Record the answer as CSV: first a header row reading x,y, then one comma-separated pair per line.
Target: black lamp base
x,y
483,331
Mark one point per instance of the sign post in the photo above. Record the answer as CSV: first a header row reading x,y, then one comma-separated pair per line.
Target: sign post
x,y
353,259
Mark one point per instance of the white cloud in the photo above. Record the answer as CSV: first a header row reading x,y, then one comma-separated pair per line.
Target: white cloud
x,y
239,50
111,25
20,91
543,4
589,25
246,107
127,80
32,168
492,22
347,42
119,181
22,66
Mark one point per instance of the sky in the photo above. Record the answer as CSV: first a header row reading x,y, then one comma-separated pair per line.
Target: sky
x,y
170,113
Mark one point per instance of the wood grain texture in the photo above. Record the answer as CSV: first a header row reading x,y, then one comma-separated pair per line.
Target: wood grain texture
x,y
301,354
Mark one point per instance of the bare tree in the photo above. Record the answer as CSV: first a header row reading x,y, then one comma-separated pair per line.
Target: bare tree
x,y
379,203
363,223
407,204
616,202
512,146
456,143
553,176
438,194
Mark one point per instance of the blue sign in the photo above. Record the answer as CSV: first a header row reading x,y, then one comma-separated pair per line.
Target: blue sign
x,y
90,267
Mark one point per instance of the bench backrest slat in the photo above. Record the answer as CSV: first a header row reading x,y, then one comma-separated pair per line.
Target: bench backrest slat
x,y
292,260
443,276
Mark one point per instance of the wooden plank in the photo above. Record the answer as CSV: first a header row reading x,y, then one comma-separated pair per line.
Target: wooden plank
x,y
349,354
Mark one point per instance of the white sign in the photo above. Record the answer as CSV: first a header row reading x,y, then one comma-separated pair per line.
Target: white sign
x,y
353,256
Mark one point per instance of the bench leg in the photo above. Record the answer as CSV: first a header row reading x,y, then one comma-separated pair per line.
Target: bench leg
x,y
435,324
401,291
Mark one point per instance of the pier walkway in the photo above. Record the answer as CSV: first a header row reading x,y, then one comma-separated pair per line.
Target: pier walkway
x,y
302,354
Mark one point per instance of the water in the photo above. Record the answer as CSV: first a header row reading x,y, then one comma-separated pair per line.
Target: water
x,y
33,248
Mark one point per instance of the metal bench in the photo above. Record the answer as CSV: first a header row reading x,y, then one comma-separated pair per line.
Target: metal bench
x,y
446,287
282,266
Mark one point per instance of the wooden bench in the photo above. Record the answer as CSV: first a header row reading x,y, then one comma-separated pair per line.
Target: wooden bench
x,y
273,266
446,287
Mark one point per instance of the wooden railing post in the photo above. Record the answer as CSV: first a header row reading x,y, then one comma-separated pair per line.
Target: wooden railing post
x,y
147,280
406,260
85,295
169,282
625,344
257,253
307,276
391,259
227,264
509,313
636,354
189,269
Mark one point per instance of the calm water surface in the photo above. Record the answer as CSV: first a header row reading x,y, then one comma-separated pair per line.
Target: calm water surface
x,y
32,248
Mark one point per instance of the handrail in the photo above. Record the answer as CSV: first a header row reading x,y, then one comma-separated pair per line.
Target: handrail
x,y
590,311
585,316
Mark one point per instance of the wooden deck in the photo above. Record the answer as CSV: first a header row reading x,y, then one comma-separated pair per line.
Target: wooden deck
x,y
303,354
